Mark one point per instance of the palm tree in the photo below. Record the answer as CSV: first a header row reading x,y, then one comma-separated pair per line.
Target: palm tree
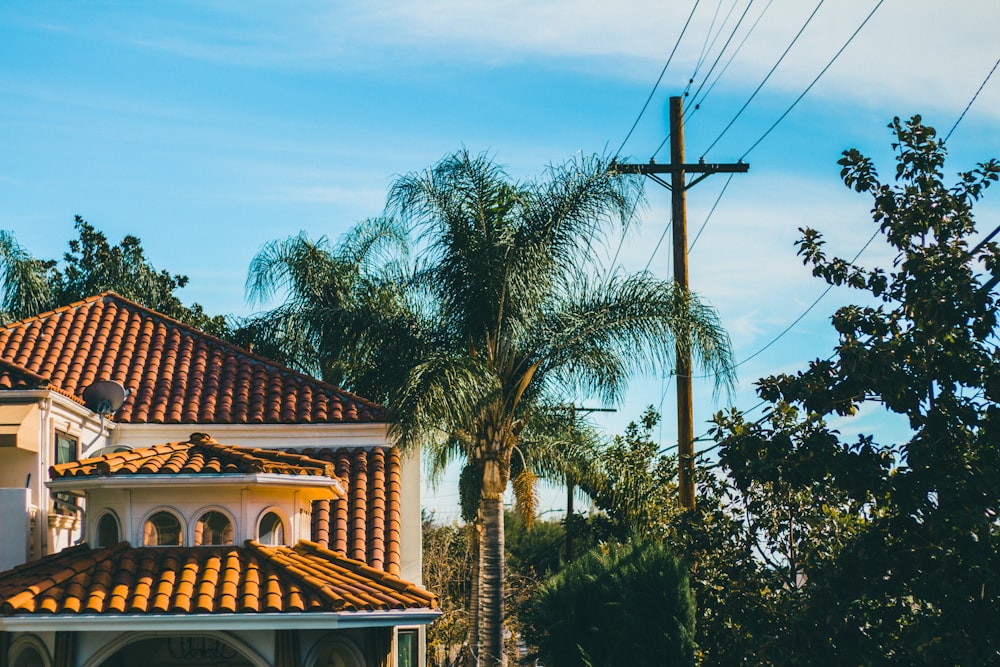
x,y
503,311
24,286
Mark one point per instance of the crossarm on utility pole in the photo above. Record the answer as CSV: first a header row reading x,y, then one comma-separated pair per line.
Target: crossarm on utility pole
x,y
677,170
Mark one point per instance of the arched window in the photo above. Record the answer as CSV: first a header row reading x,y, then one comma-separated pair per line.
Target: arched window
x,y
162,529
28,651
271,529
335,653
29,657
108,532
213,528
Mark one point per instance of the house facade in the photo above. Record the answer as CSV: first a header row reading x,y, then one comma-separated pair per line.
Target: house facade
x,y
215,464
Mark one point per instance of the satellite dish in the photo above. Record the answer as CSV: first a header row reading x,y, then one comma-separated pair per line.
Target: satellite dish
x,y
105,396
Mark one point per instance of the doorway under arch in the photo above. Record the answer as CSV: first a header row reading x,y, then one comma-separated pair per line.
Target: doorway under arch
x,y
173,650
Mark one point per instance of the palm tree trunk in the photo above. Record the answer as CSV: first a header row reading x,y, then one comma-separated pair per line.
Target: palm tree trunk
x,y
477,540
491,593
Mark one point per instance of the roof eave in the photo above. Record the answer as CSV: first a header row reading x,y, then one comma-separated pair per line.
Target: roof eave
x,y
226,621
81,483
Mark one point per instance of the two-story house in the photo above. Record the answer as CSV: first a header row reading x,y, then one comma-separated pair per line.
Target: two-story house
x,y
168,498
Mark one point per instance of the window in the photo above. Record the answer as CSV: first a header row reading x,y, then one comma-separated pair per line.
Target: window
x,y
107,530
161,529
29,657
407,648
271,530
65,503
213,529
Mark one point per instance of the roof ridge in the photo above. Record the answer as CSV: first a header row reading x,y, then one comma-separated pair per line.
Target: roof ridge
x,y
233,346
59,309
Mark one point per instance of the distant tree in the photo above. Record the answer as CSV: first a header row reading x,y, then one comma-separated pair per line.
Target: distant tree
x,y
92,266
914,577
447,570
616,605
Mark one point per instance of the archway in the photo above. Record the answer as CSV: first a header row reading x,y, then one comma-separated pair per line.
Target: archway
x,y
174,650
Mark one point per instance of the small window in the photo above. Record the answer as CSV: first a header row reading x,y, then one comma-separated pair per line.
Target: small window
x,y
65,452
107,530
161,529
407,648
271,531
213,529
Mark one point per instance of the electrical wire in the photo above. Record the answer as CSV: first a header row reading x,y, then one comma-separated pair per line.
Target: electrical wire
x,y
666,229
709,216
768,76
725,46
709,43
813,83
729,62
659,79
969,105
796,320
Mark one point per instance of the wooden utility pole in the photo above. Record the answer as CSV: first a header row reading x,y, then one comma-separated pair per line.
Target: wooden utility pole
x,y
677,170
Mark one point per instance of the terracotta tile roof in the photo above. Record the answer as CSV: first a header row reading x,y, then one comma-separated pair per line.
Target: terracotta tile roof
x,y
199,455
364,524
246,579
175,374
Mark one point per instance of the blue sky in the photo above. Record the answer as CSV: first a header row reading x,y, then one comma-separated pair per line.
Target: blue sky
x,y
209,128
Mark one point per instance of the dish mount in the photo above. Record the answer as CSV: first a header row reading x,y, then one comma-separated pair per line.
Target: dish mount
x,y
105,396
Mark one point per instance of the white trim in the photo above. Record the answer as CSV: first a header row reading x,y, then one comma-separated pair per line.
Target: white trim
x,y
299,436
28,641
209,622
214,479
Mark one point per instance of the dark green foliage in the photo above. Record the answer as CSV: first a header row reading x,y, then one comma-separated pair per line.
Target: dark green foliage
x,y
908,570
92,266
618,605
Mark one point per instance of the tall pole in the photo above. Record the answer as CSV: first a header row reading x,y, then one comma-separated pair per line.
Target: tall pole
x,y
678,170
685,410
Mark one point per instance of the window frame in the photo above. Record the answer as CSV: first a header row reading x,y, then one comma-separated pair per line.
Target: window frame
x,y
197,517
285,526
178,517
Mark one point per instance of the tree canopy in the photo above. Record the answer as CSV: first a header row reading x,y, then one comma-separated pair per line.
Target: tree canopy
x,y
501,313
913,575
93,265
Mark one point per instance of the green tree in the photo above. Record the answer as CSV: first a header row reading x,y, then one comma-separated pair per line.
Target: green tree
x,y
624,604
914,577
91,266
447,570
730,543
505,312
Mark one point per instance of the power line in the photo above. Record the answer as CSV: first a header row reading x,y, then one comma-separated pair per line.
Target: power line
x,y
709,216
729,62
722,51
707,46
775,67
666,229
822,72
659,79
797,319
969,105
